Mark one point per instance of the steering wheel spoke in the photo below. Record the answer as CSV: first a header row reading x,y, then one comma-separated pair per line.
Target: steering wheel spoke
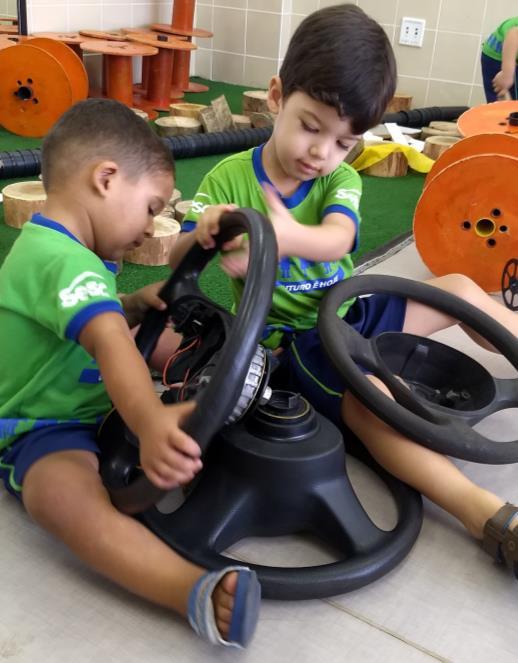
x,y
447,391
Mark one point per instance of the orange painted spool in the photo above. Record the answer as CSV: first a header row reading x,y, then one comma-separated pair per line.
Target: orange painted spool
x,y
70,61
471,146
71,39
467,219
488,118
118,67
35,89
159,77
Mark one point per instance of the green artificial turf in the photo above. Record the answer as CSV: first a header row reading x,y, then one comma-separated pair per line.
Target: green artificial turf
x,y
387,205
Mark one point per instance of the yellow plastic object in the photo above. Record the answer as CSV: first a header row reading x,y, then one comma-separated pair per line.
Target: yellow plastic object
x,y
375,153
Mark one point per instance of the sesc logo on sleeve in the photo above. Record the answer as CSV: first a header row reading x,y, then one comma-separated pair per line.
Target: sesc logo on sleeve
x,y
84,287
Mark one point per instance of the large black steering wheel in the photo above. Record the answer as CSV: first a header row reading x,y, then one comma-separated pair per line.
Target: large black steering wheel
x,y
436,417
130,490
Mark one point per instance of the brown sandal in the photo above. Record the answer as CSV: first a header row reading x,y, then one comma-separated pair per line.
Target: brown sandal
x,y
499,540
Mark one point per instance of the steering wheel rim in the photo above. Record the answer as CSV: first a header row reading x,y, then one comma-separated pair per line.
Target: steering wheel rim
x,y
216,401
435,428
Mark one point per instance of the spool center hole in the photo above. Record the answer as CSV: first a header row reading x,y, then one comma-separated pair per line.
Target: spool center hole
x,y
485,227
24,93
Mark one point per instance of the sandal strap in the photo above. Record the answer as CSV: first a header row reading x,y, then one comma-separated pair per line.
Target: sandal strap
x,y
201,610
497,532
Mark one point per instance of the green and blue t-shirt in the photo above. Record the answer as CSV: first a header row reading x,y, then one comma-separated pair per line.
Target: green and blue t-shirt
x,y
494,44
51,286
300,283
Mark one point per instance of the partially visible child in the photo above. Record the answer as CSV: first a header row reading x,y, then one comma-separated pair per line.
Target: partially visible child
x,y
335,82
67,354
499,61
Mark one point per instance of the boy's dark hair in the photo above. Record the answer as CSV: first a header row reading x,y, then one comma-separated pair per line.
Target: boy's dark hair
x,y
102,129
343,58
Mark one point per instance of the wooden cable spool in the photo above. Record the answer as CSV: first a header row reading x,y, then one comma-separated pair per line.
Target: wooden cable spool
x,y
156,250
21,201
39,80
488,118
71,39
477,144
111,35
68,59
434,146
467,218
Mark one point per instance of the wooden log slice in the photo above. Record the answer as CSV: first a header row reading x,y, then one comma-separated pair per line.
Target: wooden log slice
x,y
209,120
399,102
261,120
177,126
181,209
254,101
448,127
186,109
155,250
394,165
355,152
242,121
21,201
141,113
223,113
434,146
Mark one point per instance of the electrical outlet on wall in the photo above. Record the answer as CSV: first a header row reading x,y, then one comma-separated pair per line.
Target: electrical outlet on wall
x,y
412,31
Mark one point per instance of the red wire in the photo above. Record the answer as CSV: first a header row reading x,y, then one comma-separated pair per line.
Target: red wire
x,y
173,358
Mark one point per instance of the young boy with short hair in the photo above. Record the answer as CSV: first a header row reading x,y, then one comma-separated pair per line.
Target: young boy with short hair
x,y
67,354
335,82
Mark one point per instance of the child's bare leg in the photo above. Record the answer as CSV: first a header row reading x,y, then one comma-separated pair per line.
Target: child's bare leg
x,y
432,474
63,492
423,321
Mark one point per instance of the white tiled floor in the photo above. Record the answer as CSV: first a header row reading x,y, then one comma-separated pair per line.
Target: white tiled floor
x,y
445,602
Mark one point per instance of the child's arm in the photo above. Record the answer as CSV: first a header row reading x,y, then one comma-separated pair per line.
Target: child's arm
x,y
168,455
329,241
136,304
207,227
504,80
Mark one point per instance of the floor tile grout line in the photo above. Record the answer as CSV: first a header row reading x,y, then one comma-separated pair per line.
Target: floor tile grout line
x,y
387,631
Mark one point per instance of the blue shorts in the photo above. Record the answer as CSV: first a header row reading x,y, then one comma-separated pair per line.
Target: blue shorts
x,y
490,69
16,459
305,367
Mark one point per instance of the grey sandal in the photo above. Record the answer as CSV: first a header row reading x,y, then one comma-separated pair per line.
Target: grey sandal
x,y
499,540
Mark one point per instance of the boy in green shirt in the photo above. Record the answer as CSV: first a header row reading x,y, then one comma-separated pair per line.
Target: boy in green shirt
x,y
499,61
335,82
67,354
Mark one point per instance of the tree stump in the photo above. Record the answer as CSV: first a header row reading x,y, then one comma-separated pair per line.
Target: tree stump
x,y
448,127
434,146
254,101
21,201
156,250
261,120
169,209
242,121
426,132
185,109
399,102
181,209
394,165
177,126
